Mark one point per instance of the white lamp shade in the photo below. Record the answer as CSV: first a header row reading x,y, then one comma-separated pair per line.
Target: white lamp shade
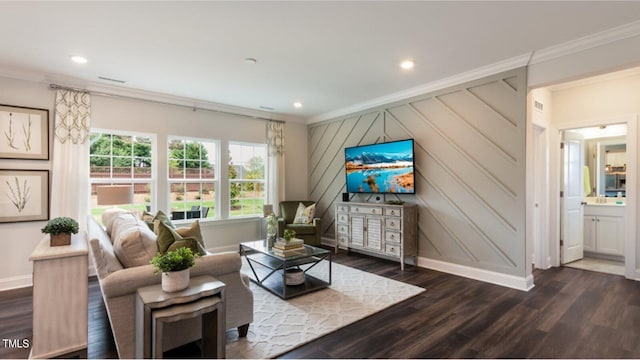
x,y
115,194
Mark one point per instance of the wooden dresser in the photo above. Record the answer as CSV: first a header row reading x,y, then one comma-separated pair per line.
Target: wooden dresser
x,y
60,299
384,230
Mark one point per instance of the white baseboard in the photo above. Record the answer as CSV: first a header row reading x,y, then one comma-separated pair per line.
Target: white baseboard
x,y
15,282
510,281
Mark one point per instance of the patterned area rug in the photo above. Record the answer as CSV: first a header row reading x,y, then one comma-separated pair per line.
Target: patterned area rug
x,y
280,326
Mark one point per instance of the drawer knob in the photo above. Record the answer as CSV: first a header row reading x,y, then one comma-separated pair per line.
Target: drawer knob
x,y
373,211
393,212
392,223
392,236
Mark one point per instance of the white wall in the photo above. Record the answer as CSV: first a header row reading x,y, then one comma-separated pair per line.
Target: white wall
x,y
161,120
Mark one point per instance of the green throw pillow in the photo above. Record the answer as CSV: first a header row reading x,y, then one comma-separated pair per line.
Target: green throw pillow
x,y
150,219
169,239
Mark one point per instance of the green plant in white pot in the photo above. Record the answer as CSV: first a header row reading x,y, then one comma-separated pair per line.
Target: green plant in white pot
x,y
174,266
60,230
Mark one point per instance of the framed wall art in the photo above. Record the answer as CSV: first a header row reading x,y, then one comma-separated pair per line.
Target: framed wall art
x,y
24,195
24,133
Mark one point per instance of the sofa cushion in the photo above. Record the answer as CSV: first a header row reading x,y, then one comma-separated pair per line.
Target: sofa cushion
x,y
304,214
170,239
109,215
133,243
104,259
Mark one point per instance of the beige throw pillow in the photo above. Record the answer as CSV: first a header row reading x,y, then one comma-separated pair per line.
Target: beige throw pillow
x,y
304,215
133,243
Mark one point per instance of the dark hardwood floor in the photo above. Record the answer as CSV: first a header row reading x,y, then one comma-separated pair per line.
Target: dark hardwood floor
x,y
570,313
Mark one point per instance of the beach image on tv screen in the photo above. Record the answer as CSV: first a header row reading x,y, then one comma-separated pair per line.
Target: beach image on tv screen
x,y
380,168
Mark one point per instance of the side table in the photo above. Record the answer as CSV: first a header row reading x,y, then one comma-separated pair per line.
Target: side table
x,y
155,308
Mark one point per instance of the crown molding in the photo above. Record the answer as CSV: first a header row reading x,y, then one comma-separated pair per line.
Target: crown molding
x,y
587,42
143,95
571,47
474,74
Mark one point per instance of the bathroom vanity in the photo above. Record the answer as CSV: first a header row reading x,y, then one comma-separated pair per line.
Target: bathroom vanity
x,y
604,227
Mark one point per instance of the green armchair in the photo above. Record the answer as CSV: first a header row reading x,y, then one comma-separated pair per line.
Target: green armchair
x,y
310,233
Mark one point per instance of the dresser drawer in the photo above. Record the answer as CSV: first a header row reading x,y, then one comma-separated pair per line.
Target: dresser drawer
x,y
343,240
343,208
342,228
392,223
372,210
392,237
393,212
392,249
342,218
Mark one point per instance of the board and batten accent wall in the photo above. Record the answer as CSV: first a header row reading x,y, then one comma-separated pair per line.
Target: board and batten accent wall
x,y
469,167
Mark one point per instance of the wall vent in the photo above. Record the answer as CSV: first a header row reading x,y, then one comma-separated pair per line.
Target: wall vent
x,y
110,79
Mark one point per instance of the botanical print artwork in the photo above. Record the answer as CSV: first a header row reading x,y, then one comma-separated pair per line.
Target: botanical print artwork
x,y
20,133
20,195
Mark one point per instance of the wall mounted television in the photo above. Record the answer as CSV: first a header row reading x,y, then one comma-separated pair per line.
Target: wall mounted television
x,y
383,168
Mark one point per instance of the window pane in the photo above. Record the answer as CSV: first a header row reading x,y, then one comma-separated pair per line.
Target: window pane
x,y
193,161
247,163
117,159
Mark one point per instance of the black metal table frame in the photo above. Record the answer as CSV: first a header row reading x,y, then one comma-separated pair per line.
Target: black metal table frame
x,y
277,263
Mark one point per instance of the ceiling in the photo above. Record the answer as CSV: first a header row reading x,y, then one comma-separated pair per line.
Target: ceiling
x,y
329,55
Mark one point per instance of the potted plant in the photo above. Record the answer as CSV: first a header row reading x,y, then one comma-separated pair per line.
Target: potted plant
x,y
289,235
174,266
60,230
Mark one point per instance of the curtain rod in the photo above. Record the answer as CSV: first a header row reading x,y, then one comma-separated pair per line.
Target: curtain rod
x,y
194,108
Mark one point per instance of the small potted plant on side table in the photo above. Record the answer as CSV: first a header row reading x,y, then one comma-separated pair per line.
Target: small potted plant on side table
x,y
174,266
60,230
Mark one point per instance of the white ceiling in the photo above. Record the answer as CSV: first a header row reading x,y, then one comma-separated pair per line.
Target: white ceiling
x,y
329,55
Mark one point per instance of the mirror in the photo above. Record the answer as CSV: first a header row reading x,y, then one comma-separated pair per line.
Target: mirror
x,y
607,162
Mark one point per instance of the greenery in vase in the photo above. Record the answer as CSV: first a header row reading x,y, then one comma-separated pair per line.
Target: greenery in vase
x,y
289,234
61,225
179,259
272,222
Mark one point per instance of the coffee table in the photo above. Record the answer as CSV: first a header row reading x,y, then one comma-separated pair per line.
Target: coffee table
x,y
269,269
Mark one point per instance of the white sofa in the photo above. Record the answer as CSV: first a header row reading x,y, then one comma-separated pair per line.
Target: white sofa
x,y
119,285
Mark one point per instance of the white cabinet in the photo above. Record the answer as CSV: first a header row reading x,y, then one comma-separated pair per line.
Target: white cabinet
x,y
60,299
384,230
604,229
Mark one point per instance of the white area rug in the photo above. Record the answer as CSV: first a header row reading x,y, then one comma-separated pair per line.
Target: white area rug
x,y
280,326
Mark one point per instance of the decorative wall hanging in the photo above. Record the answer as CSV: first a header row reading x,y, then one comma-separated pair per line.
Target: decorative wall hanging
x,y
24,195
24,133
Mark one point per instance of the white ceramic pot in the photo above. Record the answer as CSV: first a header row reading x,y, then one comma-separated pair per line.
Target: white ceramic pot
x,y
175,280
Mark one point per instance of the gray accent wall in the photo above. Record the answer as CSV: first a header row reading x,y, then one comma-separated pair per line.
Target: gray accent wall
x,y
470,168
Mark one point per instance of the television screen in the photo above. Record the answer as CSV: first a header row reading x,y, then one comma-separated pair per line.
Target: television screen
x,y
380,168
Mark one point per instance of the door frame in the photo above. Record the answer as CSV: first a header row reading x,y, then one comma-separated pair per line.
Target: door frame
x,y
630,244
540,199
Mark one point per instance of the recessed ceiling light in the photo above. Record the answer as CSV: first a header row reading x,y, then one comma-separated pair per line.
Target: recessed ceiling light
x,y
407,64
78,59
250,60
297,104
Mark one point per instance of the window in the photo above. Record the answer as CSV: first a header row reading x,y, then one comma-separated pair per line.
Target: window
x,y
121,159
193,178
246,178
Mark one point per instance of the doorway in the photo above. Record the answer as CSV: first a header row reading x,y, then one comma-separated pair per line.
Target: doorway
x,y
593,214
630,199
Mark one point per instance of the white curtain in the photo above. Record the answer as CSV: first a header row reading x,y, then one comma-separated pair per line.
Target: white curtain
x,y
70,188
275,164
